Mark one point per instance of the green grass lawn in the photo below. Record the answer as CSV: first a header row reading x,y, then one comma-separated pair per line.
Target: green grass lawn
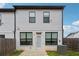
x,y
16,53
70,53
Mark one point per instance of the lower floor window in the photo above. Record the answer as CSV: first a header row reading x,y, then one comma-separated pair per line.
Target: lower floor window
x,y
2,36
26,38
51,38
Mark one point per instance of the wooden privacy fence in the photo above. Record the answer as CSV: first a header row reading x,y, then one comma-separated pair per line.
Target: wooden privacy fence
x,y
72,43
6,46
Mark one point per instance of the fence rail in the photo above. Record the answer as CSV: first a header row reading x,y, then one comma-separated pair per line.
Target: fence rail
x,y
7,46
72,43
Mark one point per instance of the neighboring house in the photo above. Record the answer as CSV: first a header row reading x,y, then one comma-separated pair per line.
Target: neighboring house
x,y
6,23
73,35
33,27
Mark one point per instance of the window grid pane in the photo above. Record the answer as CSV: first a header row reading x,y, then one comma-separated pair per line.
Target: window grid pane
x,y
23,35
54,35
32,14
46,19
48,35
29,35
32,20
46,14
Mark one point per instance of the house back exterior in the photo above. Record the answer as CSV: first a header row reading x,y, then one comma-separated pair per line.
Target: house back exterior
x,y
33,27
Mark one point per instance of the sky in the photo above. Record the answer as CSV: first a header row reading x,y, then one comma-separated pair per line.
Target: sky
x,y
71,16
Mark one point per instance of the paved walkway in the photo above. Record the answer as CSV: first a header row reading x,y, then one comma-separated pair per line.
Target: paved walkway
x,y
34,53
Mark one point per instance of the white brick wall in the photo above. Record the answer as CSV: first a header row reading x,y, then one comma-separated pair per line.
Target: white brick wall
x,y
22,23
7,27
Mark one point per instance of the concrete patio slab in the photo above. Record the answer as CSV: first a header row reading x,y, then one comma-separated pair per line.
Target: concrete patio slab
x,y
34,53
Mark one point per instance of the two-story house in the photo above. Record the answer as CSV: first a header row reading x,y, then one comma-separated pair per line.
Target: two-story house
x,y
35,27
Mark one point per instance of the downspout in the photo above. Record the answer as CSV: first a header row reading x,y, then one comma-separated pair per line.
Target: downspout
x,y
62,27
15,26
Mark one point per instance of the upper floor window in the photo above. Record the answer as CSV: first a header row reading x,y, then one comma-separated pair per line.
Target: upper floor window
x,y
32,17
46,17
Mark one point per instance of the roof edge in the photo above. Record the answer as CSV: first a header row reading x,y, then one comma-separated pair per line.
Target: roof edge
x,y
7,9
37,7
30,7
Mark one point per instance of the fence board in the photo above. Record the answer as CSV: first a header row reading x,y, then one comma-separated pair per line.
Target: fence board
x,y
7,46
72,43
